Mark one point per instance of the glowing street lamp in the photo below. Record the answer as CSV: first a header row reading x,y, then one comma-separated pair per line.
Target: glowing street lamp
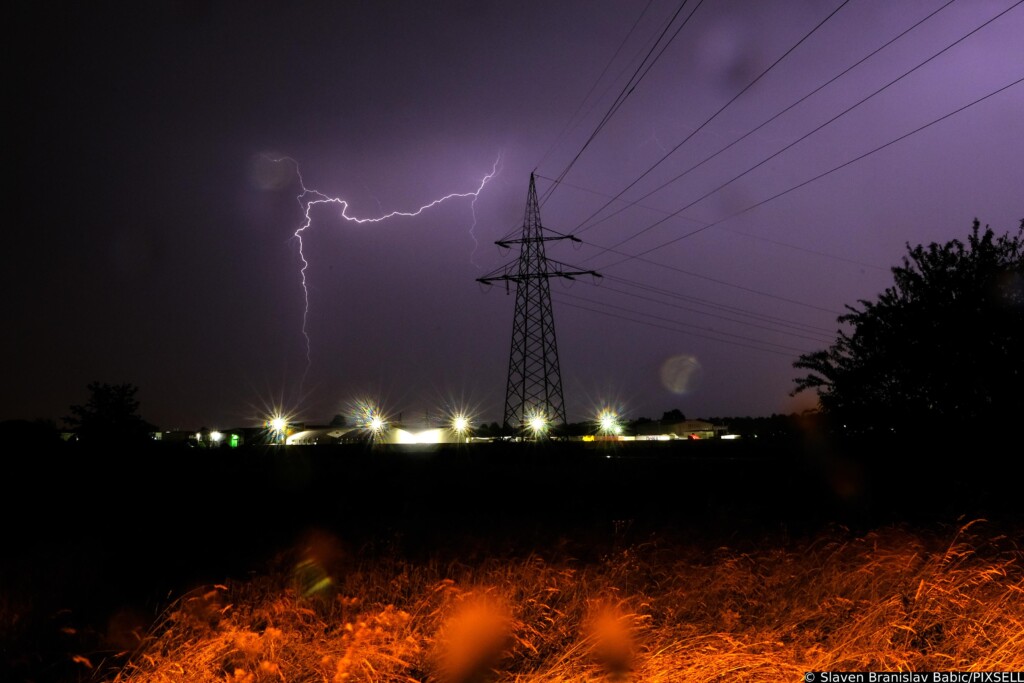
x,y
538,424
608,422
372,420
277,425
376,424
460,425
216,436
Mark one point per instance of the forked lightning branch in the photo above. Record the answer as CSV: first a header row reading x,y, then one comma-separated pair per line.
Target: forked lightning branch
x,y
310,197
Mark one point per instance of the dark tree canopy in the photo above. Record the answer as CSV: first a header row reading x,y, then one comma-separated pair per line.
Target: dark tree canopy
x,y
109,416
944,345
674,415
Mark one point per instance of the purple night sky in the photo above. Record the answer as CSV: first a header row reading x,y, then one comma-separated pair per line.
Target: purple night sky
x,y
152,241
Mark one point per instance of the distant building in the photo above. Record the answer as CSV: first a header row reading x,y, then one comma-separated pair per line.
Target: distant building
x,y
396,433
686,429
311,436
210,438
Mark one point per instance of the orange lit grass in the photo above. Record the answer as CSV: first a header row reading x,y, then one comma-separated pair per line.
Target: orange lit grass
x,y
889,600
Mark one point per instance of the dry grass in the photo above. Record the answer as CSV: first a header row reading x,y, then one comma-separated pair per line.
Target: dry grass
x,y
892,599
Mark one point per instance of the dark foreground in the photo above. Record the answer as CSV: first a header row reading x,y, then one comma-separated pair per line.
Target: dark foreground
x,y
97,542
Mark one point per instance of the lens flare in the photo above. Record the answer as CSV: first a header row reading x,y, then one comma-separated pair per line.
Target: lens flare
x,y
608,422
679,374
368,416
537,423
460,424
276,426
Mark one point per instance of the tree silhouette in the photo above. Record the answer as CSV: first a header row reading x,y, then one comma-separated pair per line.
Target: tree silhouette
x,y
943,346
674,415
109,416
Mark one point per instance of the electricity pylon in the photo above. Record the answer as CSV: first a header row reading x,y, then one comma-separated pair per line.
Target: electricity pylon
x,y
533,394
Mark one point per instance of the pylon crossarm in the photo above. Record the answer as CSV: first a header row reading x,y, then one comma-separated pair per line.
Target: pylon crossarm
x,y
523,277
504,272
565,270
542,238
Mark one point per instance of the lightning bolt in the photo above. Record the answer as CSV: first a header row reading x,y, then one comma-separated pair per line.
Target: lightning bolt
x,y
310,197
472,208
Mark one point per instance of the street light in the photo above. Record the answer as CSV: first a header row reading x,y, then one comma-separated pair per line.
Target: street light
x,y
538,424
372,420
277,425
608,422
376,424
460,425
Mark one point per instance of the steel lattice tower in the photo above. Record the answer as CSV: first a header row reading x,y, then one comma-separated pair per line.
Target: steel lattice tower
x,y
534,387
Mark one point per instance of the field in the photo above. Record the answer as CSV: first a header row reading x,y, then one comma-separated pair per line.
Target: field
x,y
507,563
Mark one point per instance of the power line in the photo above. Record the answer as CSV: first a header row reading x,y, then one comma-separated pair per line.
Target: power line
x,y
720,317
750,290
780,243
804,137
682,324
628,89
586,97
735,310
712,117
798,186
639,257
677,330
581,229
